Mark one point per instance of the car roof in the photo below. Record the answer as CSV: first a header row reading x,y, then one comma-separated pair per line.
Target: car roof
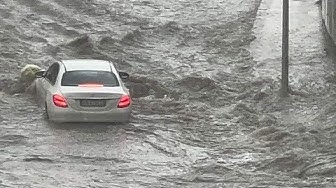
x,y
86,64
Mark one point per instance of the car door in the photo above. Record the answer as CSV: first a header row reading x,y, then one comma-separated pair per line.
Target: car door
x,y
49,81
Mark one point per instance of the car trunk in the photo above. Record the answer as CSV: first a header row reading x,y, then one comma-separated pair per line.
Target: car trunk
x,y
92,98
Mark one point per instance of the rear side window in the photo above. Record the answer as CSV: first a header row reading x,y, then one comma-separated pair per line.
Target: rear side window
x,y
75,78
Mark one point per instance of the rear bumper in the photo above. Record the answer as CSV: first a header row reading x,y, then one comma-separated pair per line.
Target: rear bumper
x,y
69,115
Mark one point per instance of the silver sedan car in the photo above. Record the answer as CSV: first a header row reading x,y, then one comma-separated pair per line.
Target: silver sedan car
x,y
83,90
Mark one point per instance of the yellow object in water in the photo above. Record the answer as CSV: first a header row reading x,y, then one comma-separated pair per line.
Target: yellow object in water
x,y
28,73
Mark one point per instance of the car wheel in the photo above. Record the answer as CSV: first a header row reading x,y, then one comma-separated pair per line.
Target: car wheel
x,y
46,114
38,98
126,121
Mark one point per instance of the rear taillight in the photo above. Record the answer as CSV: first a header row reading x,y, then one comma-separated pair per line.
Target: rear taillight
x,y
124,101
59,101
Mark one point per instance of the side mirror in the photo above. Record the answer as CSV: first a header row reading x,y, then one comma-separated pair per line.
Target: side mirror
x,y
39,74
124,76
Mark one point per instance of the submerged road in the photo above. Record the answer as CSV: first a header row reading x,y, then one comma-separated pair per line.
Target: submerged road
x,y
205,76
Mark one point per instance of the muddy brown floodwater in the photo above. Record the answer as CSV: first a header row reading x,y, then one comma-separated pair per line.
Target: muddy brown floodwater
x,y
205,81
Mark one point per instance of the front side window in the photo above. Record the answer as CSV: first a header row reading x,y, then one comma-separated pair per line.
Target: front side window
x,y
76,78
52,73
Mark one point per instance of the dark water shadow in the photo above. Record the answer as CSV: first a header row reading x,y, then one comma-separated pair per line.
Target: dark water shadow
x,y
87,127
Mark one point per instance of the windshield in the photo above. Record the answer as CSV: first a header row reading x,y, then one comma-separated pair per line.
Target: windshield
x,y
77,78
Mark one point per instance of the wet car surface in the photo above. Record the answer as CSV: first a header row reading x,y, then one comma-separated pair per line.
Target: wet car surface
x,y
206,107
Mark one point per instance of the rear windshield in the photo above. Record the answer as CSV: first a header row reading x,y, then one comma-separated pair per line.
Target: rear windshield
x,y
75,78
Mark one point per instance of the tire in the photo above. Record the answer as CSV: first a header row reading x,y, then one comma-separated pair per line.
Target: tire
x,y
37,97
46,114
126,121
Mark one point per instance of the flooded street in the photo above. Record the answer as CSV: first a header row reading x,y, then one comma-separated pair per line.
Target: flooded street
x,y
205,79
